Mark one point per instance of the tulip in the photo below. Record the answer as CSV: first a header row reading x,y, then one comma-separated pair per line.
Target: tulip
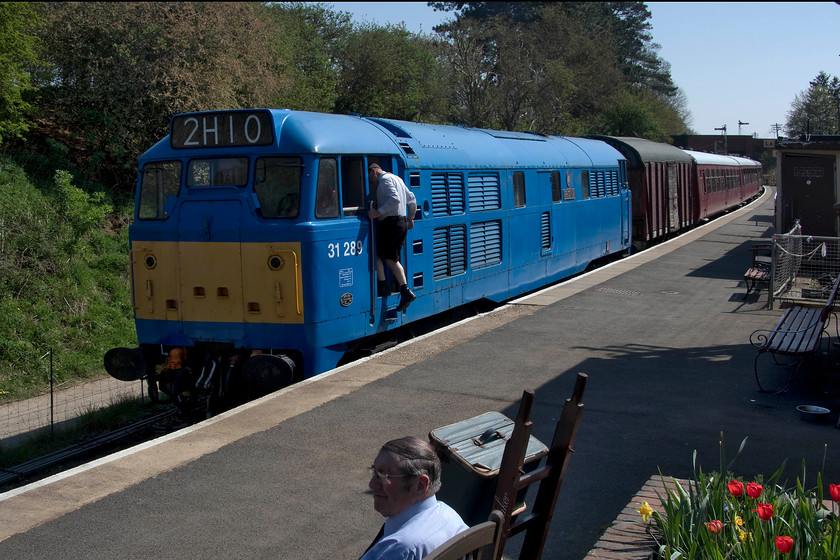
x,y
834,490
754,490
736,488
784,544
645,511
765,511
714,526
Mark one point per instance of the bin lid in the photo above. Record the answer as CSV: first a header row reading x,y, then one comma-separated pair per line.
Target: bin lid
x,y
479,443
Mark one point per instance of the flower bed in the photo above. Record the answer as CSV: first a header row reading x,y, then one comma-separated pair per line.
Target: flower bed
x,y
715,517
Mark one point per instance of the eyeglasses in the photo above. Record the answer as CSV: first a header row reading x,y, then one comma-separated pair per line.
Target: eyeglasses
x,y
383,477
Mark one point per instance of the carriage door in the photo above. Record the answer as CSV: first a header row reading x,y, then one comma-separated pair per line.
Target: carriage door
x,y
673,199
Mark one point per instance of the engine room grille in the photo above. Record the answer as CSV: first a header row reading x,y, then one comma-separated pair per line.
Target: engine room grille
x,y
447,194
485,244
484,191
450,252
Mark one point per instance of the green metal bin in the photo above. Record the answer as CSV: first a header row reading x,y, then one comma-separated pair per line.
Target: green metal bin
x,y
471,452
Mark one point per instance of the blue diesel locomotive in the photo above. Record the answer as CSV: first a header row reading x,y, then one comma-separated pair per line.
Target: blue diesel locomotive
x,y
252,262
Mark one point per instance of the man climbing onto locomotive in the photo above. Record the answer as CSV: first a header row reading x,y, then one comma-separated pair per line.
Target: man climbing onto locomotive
x,y
395,209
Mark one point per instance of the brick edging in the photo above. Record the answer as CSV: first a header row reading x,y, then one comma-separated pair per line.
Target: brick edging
x,y
627,538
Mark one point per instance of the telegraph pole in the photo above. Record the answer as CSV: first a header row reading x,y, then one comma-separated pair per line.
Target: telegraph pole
x,y
739,126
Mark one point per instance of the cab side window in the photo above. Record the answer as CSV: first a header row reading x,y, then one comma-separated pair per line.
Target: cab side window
x,y
353,175
160,181
326,193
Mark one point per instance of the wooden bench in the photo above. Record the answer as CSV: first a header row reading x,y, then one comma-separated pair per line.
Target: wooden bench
x,y
759,271
797,334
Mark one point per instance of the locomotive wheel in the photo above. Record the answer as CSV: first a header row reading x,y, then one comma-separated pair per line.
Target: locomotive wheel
x,y
265,373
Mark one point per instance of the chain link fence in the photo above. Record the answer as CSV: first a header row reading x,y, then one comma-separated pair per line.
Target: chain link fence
x,y
804,267
24,419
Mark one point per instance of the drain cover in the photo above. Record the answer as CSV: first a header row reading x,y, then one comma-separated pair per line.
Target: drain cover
x,y
618,292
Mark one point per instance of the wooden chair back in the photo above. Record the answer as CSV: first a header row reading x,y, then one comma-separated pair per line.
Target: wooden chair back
x,y
549,476
476,543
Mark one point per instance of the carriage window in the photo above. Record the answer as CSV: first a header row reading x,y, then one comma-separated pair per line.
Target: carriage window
x,y
326,195
160,181
217,172
518,189
277,184
556,191
353,175
584,183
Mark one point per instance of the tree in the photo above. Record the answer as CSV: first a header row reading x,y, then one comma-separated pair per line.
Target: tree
x,y
388,72
468,66
817,109
308,40
19,49
626,25
121,70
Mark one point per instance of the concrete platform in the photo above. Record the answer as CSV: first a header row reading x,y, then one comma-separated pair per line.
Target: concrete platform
x,y
662,335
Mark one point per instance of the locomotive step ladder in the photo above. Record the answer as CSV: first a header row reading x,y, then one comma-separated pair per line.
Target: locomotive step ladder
x,y
549,476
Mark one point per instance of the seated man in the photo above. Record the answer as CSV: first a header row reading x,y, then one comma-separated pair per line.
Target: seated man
x,y
404,478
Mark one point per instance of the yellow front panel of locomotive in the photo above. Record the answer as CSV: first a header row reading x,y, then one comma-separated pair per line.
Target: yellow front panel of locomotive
x,y
218,282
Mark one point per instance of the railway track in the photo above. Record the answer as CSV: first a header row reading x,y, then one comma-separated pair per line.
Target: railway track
x,y
154,426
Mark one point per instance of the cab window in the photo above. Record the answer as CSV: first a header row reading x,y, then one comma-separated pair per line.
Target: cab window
x,y
160,180
277,185
217,172
353,175
326,193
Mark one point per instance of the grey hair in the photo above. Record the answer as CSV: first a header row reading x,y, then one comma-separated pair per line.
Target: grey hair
x,y
416,457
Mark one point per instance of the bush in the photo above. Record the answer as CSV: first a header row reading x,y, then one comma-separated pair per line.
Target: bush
x,y
64,283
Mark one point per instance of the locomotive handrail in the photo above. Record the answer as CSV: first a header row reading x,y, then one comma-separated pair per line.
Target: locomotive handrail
x,y
297,279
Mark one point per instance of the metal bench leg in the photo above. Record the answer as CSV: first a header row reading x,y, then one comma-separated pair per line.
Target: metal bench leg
x,y
773,378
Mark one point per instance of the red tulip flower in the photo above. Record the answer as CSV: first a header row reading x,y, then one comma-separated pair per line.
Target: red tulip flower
x,y
834,490
754,490
737,488
765,511
784,544
714,526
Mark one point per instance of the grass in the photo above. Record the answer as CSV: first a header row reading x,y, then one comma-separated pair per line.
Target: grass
x,y
64,285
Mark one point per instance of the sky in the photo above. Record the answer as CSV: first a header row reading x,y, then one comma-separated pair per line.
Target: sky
x,y
735,61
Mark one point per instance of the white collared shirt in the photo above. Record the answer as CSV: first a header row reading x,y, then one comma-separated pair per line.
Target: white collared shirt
x,y
417,531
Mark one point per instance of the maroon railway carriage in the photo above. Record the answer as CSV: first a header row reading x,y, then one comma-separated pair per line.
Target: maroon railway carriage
x,y
661,185
674,189
723,182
